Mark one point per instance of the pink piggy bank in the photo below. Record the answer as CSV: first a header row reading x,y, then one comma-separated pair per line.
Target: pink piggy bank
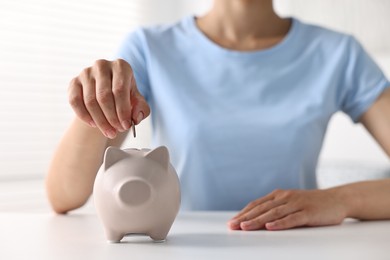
x,y
136,192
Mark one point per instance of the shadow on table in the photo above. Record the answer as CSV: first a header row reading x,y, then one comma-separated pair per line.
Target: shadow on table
x,y
220,240
308,236
215,240
193,240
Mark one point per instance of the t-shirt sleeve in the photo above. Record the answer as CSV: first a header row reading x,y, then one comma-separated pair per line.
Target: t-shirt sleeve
x,y
132,50
363,83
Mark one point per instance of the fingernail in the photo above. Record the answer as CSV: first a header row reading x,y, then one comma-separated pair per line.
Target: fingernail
x,y
110,134
92,123
140,117
125,124
234,222
270,225
246,224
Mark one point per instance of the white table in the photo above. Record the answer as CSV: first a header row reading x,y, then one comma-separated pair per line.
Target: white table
x,y
198,235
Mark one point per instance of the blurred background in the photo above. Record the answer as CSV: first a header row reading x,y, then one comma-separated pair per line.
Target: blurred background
x,y
45,43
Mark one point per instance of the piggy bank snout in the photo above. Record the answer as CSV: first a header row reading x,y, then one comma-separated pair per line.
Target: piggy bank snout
x,y
136,192
133,193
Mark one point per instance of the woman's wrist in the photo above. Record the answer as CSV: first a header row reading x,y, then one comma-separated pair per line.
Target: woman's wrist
x,y
85,135
347,198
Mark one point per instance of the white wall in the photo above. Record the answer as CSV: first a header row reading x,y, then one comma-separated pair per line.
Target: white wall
x,y
43,44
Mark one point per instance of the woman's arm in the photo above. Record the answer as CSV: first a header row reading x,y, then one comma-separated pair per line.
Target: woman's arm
x,y
106,101
74,165
377,120
368,200
373,197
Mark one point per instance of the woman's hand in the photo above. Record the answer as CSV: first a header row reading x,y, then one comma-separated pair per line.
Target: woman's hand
x,y
106,96
284,209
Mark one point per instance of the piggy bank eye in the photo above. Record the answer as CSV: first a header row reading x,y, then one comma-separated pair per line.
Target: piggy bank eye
x,y
134,193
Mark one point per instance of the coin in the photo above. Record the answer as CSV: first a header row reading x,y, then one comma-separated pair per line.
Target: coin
x,y
133,128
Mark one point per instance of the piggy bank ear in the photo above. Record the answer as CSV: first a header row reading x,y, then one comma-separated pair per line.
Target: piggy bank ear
x,y
113,155
159,155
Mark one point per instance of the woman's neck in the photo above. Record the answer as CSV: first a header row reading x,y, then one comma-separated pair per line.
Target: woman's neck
x,y
243,24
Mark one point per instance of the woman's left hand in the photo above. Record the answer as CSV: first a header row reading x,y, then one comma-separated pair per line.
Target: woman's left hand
x,y
284,209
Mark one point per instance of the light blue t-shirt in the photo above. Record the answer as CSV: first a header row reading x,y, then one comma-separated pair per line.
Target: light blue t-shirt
x,y
240,124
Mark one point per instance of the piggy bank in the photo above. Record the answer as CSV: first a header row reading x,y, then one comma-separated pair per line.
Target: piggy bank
x,y
136,192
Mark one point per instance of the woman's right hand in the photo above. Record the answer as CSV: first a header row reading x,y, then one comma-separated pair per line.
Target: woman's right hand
x,y
106,96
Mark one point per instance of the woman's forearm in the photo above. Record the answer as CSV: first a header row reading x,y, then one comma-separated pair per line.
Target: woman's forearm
x,y
73,168
367,200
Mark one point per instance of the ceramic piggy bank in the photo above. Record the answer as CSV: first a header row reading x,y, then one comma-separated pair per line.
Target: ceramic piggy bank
x,y
136,192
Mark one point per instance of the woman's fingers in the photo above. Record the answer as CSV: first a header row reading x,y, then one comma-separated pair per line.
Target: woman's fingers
x,y
106,96
141,109
292,208
253,213
257,213
273,199
253,204
270,215
264,212
92,104
76,100
121,87
293,220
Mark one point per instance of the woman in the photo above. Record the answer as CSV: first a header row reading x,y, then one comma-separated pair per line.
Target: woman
x,y
242,99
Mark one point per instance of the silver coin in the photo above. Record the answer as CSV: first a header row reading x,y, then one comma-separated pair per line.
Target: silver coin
x,y
133,128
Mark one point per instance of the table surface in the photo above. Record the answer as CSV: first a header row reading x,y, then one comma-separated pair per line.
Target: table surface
x,y
194,235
